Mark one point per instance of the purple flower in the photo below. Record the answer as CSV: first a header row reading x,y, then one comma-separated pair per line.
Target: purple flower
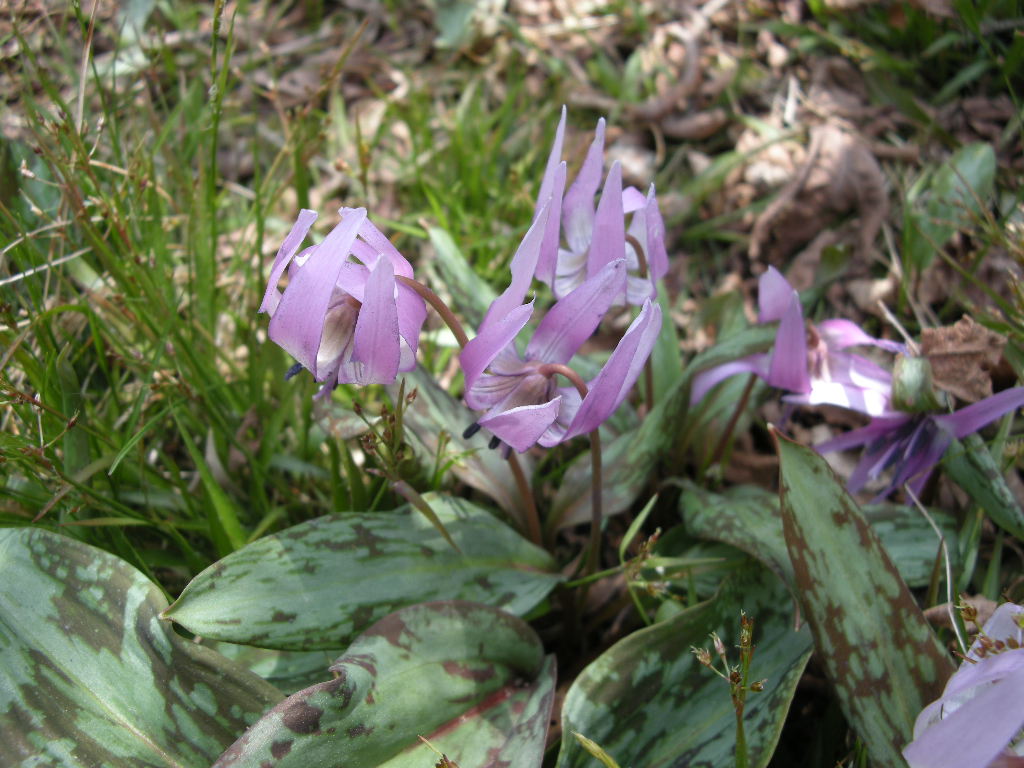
x,y
912,444
343,316
523,404
595,238
811,362
977,723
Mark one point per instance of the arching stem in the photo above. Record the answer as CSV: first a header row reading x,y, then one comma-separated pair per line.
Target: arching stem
x,y
449,318
526,492
439,306
641,258
740,406
593,549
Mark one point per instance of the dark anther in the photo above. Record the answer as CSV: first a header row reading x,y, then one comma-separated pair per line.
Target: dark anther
x,y
495,442
292,371
471,430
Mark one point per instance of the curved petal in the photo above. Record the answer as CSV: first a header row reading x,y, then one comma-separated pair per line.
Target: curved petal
x,y
524,264
376,240
611,385
412,313
608,242
970,419
521,427
705,380
632,200
857,371
789,357
377,345
547,184
573,319
292,241
298,321
571,272
657,256
578,204
548,259
774,295
871,402
976,733
486,345
857,437
552,187
839,334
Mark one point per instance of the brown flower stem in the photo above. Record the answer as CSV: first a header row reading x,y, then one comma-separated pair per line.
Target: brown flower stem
x,y
720,448
442,309
532,519
641,258
595,503
550,369
439,306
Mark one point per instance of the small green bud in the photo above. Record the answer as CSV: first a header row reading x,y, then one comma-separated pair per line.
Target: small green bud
x,y
912,389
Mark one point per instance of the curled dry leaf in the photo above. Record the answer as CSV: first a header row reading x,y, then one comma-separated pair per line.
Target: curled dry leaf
x,y
963,356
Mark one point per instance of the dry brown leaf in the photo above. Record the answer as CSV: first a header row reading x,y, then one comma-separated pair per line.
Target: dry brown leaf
x,y
839,175
962,356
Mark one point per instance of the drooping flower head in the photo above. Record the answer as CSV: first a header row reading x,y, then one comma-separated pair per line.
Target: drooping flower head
x,y
978,720
343,315
912,444
812,363
522,402
595,237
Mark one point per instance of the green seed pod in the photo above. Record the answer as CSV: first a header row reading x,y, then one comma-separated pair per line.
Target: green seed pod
x,y
912,388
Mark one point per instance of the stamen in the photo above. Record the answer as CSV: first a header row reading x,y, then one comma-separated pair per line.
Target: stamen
x,y
495,442
471,430
293,371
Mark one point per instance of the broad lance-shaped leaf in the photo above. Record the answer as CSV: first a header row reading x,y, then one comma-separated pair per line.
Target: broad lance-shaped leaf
x,y
748,517
971,465
471,679
648,701
92,677
877,649
317,584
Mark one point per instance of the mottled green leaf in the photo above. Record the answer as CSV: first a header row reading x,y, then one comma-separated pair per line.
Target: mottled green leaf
x,y
648,701
92,677
471,679
317,584
748,517
435,410
288,671
875,645
971,466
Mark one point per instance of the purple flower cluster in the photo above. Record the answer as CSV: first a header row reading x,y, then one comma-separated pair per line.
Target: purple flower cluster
x,y
343,316
349,314
815,366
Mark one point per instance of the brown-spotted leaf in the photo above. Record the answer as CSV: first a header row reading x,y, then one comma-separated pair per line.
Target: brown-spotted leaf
x,y
471,679
90,676
648,701
877,649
